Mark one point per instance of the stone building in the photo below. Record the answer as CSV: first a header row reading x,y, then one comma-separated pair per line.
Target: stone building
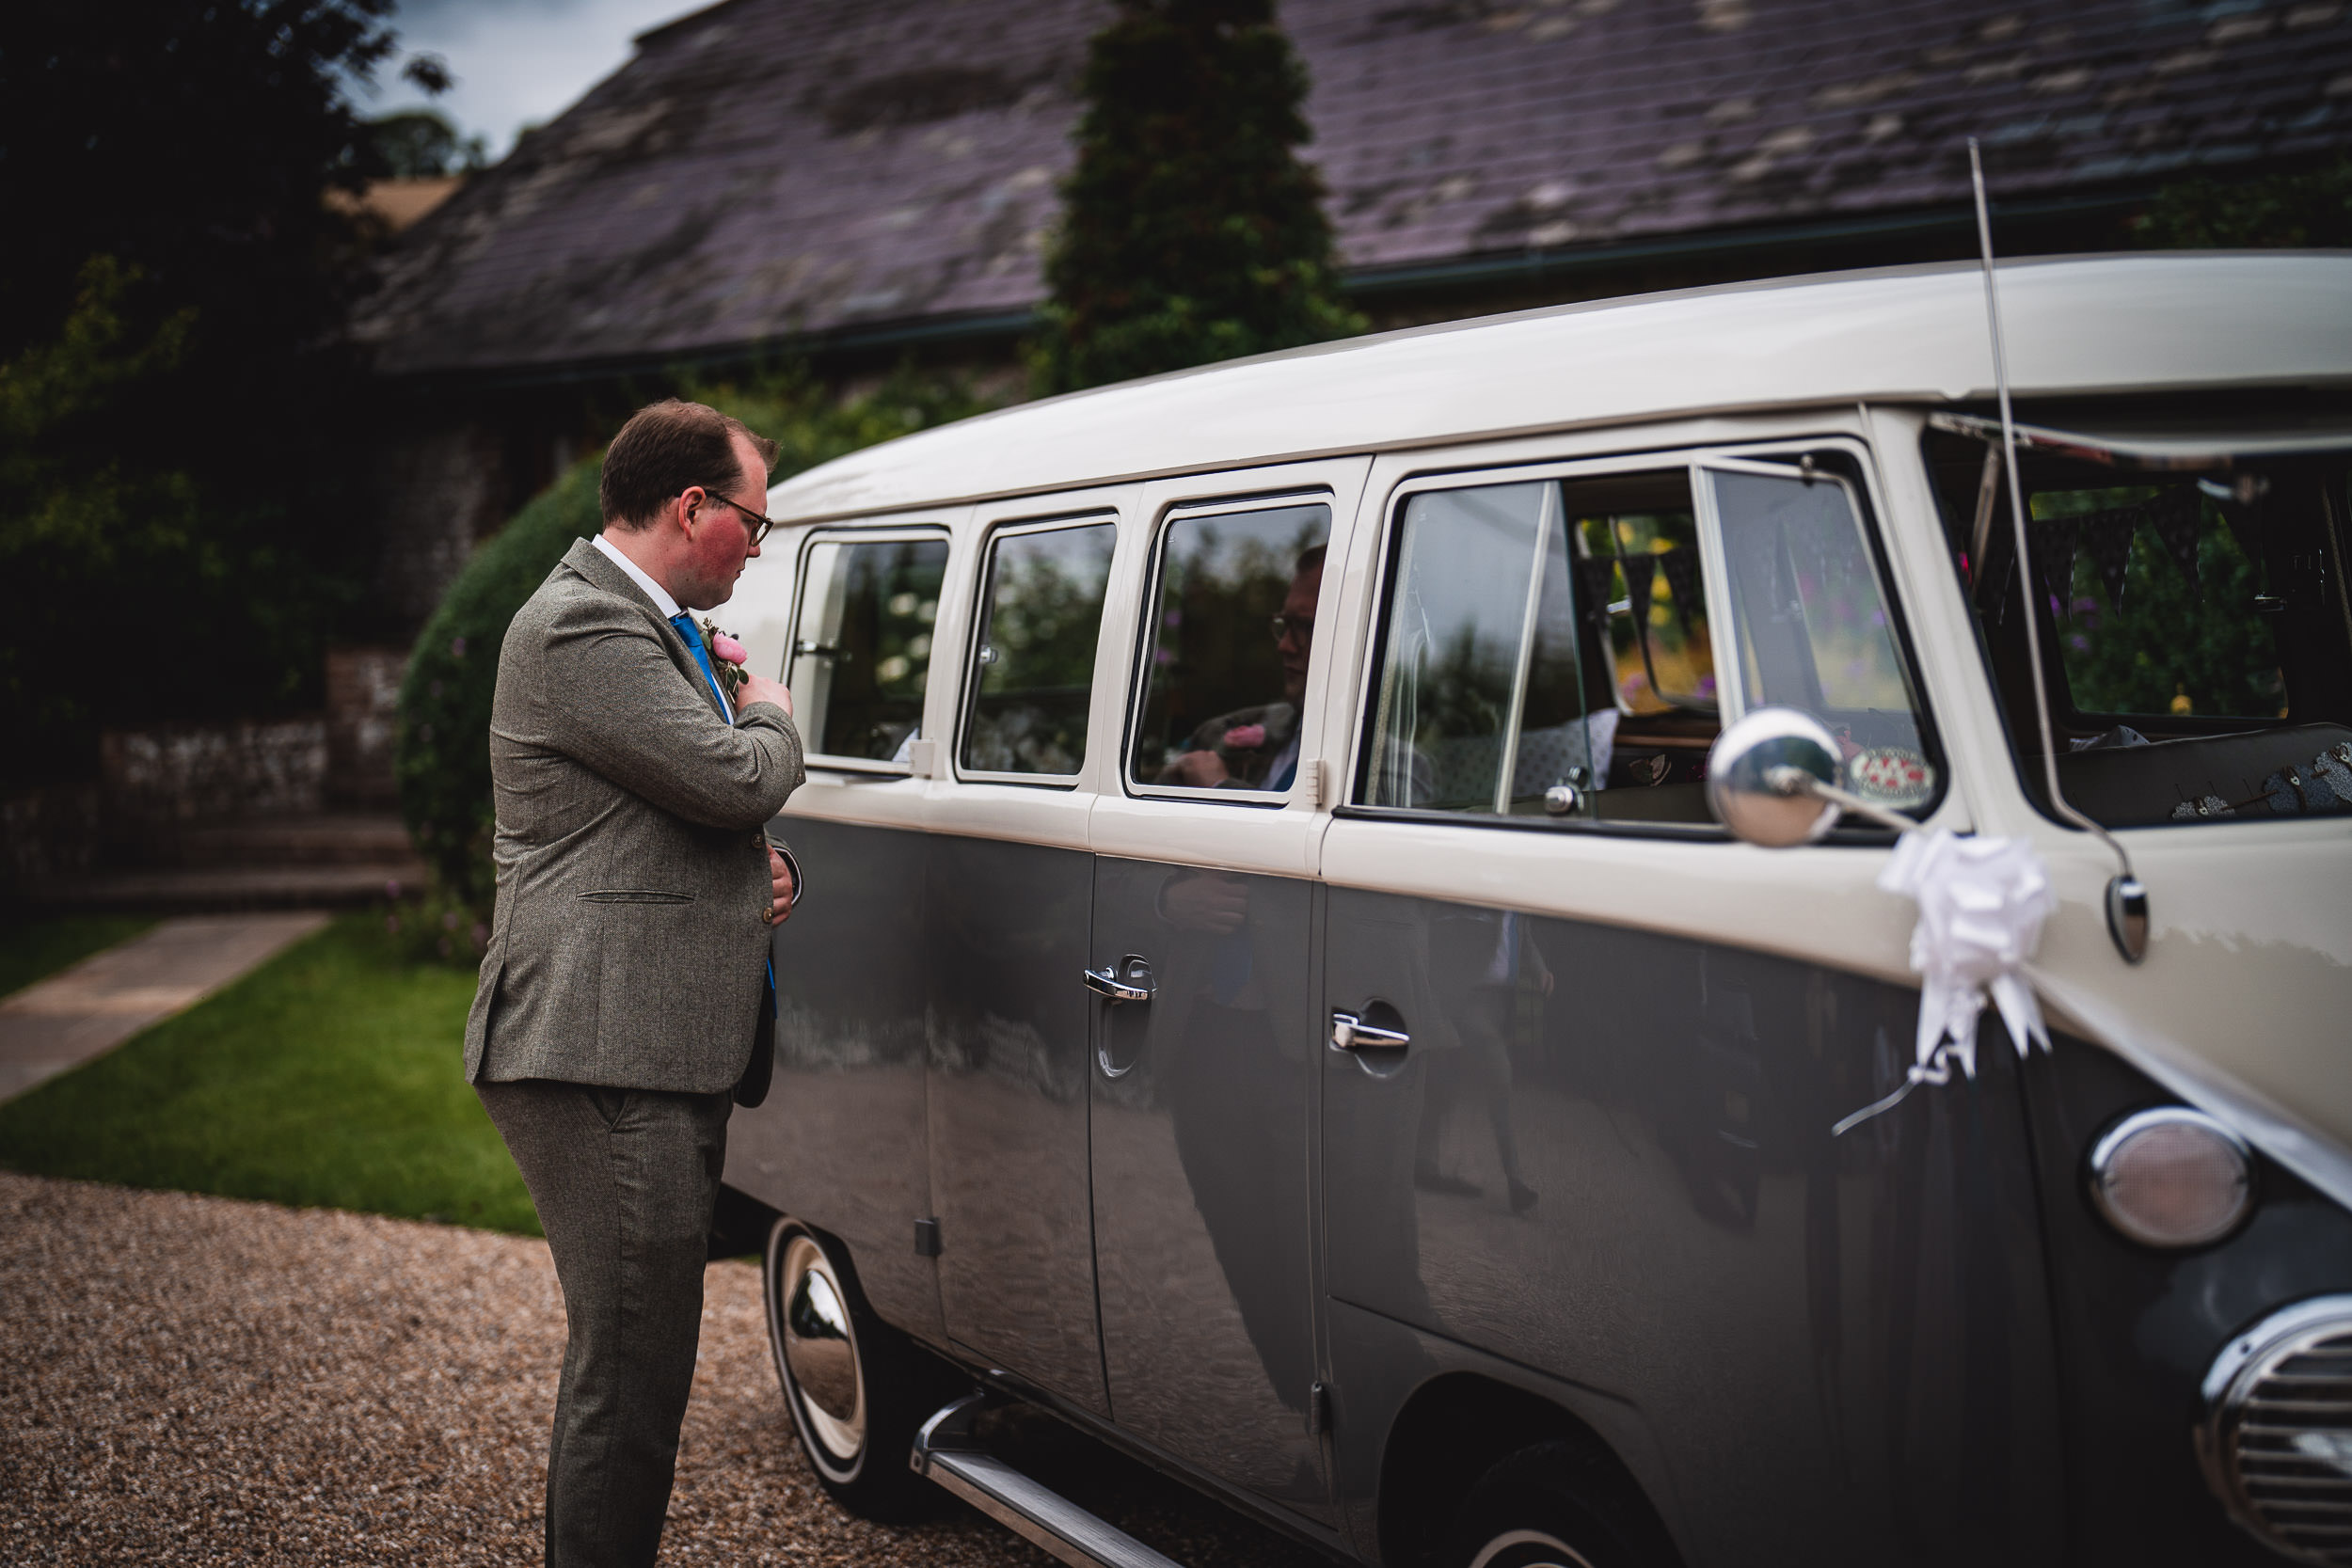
x,y
862,180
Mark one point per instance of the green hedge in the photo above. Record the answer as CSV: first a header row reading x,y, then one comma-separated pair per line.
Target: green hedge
x,y
443,759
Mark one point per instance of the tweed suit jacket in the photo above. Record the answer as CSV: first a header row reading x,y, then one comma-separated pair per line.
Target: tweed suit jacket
x,y
628,943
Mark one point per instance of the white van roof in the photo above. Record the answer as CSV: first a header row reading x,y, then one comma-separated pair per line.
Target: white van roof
x,y
2073,325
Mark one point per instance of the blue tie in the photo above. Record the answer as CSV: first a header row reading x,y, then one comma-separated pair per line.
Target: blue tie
x,y
694,636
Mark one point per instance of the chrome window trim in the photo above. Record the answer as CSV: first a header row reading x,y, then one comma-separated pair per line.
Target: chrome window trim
x,y
887,533
977,626
1147,609
1871,518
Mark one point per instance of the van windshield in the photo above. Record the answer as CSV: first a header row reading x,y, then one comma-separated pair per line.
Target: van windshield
x,y
2196,642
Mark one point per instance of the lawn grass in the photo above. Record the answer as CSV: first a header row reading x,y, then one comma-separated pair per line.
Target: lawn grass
x,y
34,948
329,1077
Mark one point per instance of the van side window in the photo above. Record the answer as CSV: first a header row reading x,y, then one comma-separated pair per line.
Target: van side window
x,y
1041,617
861,647
1231,631
1812,630
1559,632
1542,634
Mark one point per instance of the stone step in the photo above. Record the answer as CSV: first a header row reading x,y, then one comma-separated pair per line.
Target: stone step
x,y
229,888
325,839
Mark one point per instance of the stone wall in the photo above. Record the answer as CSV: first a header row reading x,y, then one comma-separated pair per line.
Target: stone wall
x,y
363,698
159,778
434,493
47,834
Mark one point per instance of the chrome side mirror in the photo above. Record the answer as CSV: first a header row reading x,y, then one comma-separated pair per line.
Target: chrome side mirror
x,y
1772,779
1749,783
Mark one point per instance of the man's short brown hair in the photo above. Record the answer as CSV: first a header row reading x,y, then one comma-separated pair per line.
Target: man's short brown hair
x,y
666,447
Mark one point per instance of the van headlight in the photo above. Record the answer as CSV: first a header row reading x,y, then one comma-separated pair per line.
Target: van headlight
x,y
2277,1438
2172,1177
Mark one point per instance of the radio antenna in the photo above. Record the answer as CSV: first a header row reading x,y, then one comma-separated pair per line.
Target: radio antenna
x,y
2127,899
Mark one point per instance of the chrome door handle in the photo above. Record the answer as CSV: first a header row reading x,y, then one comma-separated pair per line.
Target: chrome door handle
x,y
1128,980
1350,1033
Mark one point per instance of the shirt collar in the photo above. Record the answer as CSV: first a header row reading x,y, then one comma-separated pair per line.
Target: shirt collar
x,y
654,591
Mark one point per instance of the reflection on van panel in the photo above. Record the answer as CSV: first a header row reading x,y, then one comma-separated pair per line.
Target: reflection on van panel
x,y
1272,993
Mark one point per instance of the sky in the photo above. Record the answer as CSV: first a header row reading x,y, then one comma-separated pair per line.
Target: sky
x,y
517,62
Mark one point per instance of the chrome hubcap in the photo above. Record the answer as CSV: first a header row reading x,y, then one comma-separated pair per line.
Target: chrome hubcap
x,y
820,1350
1529,1548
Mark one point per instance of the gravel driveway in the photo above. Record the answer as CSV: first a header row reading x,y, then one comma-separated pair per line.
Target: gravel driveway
x,y
193,1380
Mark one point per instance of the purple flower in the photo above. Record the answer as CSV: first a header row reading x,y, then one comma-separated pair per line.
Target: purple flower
x,y
456,647
2077,641
391,890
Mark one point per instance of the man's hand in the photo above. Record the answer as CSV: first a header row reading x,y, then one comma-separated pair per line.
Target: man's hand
x,y
1202,770
779,885
760,688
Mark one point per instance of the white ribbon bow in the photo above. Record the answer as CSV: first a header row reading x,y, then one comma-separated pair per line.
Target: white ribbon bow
x,y
1981,905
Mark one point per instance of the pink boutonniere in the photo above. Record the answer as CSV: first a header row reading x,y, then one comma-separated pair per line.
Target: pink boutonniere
x,y
728,657
1245,737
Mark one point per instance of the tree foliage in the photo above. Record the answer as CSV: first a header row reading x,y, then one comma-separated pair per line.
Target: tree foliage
x,y
2296,208
173,419
2173,645
443,760
421,144
1190,231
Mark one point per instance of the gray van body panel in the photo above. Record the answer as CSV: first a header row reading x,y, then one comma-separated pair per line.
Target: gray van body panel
x,y
1005,944
931,1058
1842,1345
841,1138
1203,1234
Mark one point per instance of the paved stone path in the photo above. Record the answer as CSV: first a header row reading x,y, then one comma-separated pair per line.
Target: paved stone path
x,y
91,1008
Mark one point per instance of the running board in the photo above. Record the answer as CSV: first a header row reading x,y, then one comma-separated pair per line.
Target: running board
x,y
947,1452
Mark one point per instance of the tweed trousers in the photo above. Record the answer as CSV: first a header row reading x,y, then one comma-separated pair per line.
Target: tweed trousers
x,y
624,1180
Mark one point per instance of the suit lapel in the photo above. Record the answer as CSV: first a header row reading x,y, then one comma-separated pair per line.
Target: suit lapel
x,y
597,567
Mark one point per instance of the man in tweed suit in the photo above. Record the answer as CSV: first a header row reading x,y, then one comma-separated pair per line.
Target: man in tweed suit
x,y
627,964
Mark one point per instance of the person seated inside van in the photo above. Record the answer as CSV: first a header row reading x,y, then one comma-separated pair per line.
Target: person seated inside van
x,y
1256,746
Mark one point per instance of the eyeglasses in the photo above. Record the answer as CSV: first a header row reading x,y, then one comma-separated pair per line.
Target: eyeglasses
x,y
753,524
1301,626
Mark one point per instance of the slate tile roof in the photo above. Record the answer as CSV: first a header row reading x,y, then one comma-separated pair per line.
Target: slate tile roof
x,y
770,167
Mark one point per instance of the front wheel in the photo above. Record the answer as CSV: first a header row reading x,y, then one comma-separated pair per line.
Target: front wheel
x,y
1551,1506
857,1388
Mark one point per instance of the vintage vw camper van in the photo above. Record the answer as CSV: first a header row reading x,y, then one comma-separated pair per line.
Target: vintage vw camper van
x,y
1273,990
